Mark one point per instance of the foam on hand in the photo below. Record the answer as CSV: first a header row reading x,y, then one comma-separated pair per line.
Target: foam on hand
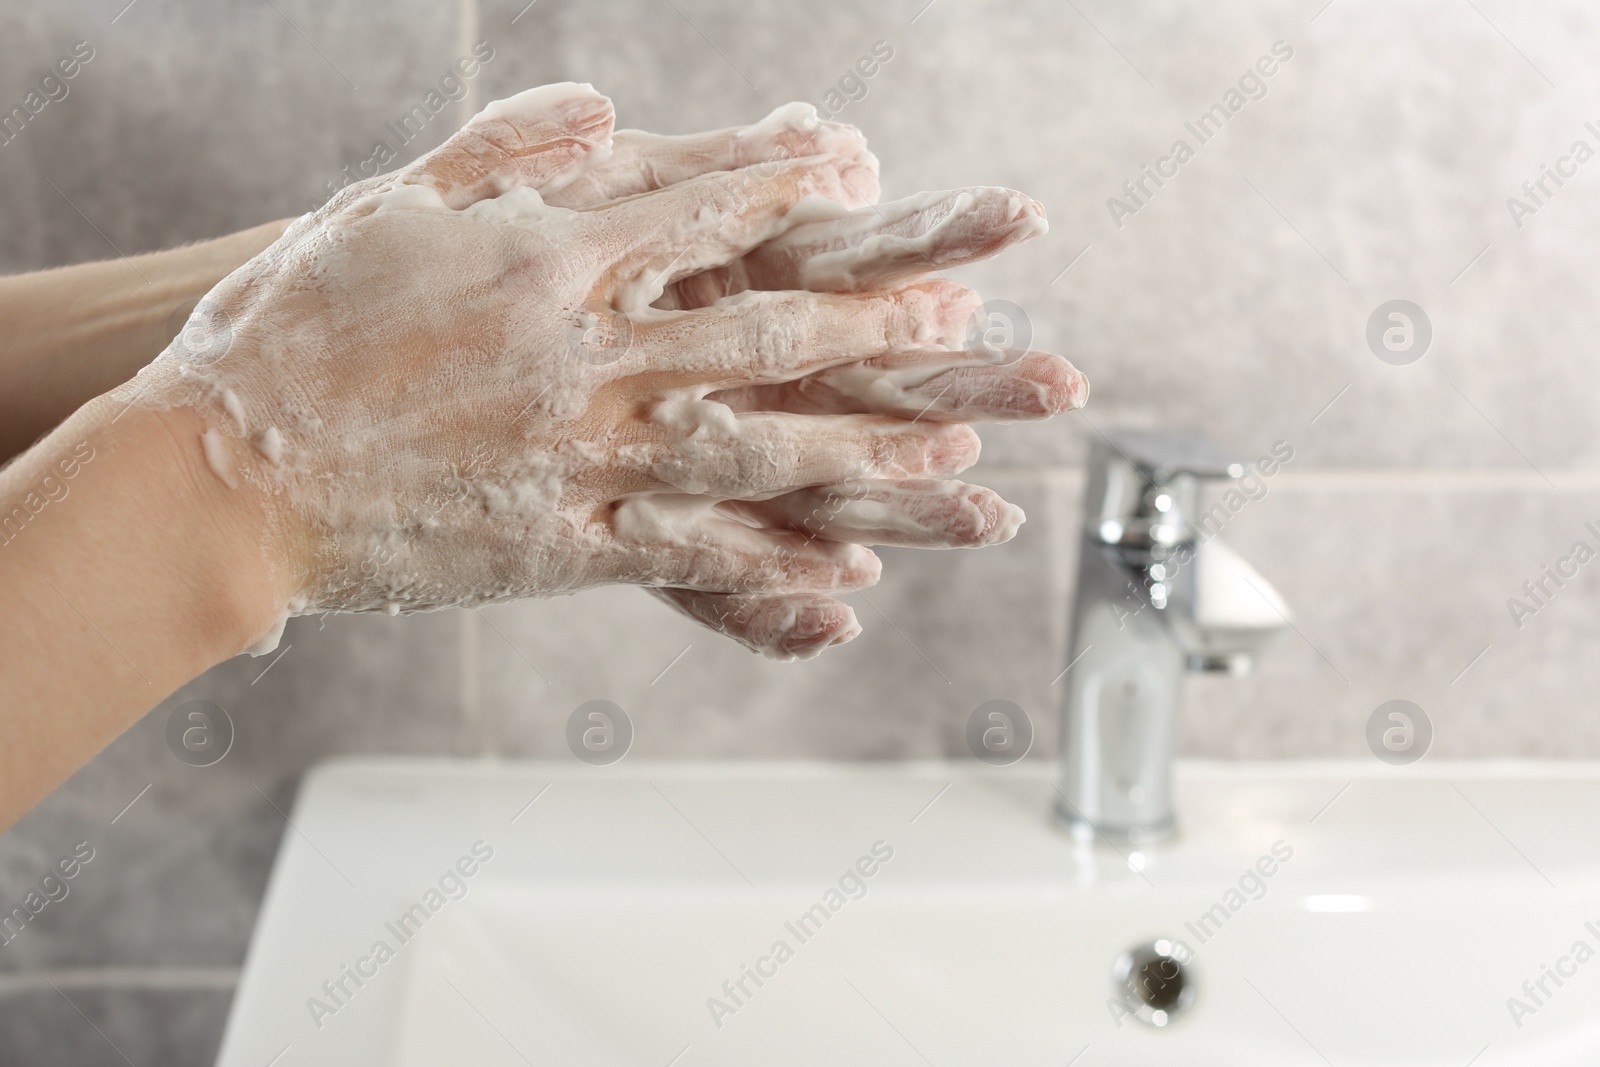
x,y
451,385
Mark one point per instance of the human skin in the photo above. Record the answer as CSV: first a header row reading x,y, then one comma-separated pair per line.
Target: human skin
x,y
75,332
143,567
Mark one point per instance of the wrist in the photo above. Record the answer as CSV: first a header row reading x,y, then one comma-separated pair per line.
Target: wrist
x,y
222,551
126,573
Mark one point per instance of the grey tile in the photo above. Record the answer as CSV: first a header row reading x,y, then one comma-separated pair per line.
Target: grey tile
x,y
1395,586
1395,589
1215,306
943,632
196,119
114,1027
724,64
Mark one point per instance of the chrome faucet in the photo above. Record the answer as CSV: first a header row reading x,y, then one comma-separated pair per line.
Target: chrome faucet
x,y
1157,595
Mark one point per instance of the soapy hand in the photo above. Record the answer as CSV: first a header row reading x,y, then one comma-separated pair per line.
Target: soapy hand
x,y
451,392
540,359
873,247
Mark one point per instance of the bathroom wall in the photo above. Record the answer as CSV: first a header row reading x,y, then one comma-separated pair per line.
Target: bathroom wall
x,y
1374,164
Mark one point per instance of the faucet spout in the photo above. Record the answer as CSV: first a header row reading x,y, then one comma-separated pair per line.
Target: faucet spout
x,y
1228,615
1156,598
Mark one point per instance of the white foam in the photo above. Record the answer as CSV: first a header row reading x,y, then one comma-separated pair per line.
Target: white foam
x,y
217,458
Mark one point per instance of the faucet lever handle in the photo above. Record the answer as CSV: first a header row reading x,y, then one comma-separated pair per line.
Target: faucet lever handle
x,y
1161,454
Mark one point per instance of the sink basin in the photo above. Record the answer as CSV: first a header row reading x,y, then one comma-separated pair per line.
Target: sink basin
x,y
1347,914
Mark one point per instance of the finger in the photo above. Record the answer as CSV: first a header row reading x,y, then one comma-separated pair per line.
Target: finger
x,y
541,138
642,162
652,240
797,626
764,454
755,337
876,247
909,513
936,386
678,539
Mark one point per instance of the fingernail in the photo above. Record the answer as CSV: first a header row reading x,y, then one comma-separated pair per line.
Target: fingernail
x,y
1067,391
859,182
820,627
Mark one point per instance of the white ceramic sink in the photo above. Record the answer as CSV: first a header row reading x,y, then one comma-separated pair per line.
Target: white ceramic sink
x,y
1413,903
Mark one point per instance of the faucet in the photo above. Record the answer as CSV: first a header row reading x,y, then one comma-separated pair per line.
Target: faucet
x,y
1157,595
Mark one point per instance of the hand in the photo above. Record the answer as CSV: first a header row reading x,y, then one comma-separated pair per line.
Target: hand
x,y
449,391
875,247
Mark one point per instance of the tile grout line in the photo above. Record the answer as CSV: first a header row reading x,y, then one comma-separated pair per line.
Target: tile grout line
x,y
477,739
107,978
469,22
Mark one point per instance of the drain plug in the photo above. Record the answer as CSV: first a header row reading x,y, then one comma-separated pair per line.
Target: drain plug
x,y
1154,980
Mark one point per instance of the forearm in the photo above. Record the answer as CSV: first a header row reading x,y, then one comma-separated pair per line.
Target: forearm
x,y
128,569
73,333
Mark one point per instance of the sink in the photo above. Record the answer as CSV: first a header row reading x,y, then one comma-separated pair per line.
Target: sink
x,y
1346,914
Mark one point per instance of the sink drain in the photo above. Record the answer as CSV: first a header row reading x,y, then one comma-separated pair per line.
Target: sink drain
x,y
1154,982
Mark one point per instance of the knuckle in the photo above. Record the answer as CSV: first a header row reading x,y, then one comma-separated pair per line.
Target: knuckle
x,y
778,332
